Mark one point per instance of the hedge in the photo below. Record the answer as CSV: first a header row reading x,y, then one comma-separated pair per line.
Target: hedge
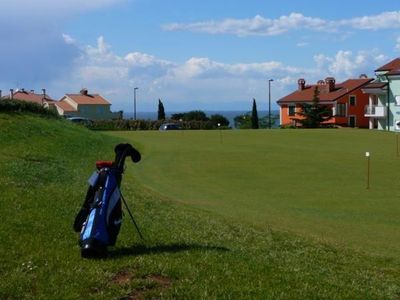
x,y
18,106
148,124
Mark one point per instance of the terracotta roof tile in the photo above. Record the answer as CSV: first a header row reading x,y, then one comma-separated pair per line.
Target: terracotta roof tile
x,y
394,64
375,85
341,89
87,99
64,106
30,97
393,72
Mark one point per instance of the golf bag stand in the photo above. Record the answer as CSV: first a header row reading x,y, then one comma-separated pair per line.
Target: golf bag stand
x,y
99,219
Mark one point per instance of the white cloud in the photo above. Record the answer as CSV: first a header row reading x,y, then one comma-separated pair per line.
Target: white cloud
x,y
261,26
385,20
68,39
35,50
255,26
193,82
302,44
198,82
346,64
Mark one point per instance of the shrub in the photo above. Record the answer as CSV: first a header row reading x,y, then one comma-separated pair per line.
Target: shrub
x,y
18,106
133,125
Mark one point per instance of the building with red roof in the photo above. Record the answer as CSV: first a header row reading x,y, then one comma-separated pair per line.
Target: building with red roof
x,y
383,109
30,96
91,106
346,100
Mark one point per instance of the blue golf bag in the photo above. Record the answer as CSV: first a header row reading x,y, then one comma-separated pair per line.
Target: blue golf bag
x,y
100,217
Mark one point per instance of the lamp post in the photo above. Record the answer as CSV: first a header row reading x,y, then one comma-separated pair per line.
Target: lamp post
x,y
269,103
134,102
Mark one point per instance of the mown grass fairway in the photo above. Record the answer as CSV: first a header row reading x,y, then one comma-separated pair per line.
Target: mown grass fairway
x,y
312,182
188,253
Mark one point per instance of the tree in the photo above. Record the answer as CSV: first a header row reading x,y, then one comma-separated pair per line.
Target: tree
x,y
264,121
243,121
177,116
161,111
314,114
254,116
219,119
194,115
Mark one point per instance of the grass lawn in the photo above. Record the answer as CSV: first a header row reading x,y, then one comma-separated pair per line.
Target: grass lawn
x,y
312,182
197,245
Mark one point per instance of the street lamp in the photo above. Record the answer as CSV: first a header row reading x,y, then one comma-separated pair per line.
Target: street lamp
x,y
134,102
269,103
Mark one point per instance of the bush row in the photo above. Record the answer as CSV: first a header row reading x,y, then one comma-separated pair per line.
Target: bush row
x,y
25,106
148,124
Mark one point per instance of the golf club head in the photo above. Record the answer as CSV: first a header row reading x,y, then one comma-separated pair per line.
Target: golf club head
x,y
124,150
135,155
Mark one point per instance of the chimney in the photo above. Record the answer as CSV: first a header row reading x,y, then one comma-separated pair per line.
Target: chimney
x,y
32,91
84,92
330,81
363,76
301,84
11,94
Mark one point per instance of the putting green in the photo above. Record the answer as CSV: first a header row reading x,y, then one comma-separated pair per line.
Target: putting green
x,y
312,182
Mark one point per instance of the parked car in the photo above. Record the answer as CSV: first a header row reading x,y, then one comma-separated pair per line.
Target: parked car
x,y
169,126
80,120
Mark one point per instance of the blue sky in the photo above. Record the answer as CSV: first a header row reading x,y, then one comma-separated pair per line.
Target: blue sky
x,y
211,55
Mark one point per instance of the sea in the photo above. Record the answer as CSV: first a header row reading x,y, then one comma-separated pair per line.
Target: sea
x,y
229,114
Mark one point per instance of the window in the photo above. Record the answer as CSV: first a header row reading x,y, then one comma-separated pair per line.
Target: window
x,y
352,100
292,110
397,98
341,109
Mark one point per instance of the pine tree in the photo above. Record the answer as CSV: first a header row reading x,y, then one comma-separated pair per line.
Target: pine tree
x,y
161,111
314,114
254,116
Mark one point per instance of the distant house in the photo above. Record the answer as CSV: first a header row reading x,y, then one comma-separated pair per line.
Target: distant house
x,y
383,109
30,96
91,106
346,100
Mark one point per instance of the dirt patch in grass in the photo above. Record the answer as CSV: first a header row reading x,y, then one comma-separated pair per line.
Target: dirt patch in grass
x,y
153,284
161,281
122,277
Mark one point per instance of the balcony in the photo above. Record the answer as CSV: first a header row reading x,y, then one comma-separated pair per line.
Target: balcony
x,y
375,111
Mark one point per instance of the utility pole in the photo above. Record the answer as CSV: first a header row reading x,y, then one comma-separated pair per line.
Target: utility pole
x,y
44,95
269,103
134,102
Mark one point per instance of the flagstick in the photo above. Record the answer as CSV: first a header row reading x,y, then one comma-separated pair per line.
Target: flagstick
x,y
367,155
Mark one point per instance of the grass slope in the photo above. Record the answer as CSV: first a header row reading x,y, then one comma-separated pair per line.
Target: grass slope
x,y
188,253
312,182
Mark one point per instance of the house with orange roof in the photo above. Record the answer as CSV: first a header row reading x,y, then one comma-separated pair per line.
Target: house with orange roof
x,y
346,100
383,108
30,96
91,106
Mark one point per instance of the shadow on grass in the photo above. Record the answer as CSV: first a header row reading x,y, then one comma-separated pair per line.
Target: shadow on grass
x,y
171,248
